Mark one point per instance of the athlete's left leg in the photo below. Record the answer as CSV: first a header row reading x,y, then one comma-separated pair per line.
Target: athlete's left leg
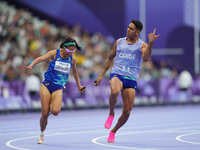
x,y
128,96
56,102
45,96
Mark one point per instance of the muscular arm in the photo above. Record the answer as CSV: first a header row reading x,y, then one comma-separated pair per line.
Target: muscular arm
x,y
109,60
75,73
146,51
146,48
42,58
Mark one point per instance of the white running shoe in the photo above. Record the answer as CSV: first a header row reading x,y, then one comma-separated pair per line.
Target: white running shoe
x,y
41,139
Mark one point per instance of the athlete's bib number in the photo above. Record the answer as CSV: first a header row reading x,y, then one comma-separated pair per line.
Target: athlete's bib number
x,y
125,69
62,67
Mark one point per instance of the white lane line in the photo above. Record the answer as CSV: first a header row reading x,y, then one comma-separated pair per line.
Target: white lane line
x,y
10,145
116,146
173,130
180,138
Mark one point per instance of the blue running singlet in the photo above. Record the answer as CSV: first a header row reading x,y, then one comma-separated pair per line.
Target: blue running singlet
x,y
127,62
58,72
128,59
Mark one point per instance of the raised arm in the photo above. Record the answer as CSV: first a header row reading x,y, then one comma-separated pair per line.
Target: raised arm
x,y
108,63
147,48
41,58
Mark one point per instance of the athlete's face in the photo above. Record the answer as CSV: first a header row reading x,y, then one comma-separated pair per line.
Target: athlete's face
x,y
132,32
69,50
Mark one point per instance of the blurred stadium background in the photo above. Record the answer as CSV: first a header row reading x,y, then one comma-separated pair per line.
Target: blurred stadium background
x,y
29,28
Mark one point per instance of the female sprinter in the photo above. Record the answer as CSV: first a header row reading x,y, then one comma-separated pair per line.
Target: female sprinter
x,y
51,89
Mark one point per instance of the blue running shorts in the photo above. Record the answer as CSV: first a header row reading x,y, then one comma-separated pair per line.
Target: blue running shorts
x,y
126,81
51,86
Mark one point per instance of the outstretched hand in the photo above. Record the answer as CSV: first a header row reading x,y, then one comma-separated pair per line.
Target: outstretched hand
x,y
98,81
82,89
29,67
152,36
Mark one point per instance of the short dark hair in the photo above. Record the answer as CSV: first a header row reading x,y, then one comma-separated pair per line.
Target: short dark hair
x,y
138,24
68,40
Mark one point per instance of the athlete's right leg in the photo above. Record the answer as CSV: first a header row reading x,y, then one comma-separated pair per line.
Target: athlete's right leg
x,y
45,102
115,86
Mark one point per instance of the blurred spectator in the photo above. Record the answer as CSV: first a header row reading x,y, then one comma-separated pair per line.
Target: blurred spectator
x,y
11,74
23,34
165,70
149,71
32,84
184,80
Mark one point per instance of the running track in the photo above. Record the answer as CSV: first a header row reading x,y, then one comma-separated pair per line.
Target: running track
x,y
148,128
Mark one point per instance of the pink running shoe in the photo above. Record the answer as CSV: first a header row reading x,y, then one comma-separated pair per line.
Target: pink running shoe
x,y
111,137
108,122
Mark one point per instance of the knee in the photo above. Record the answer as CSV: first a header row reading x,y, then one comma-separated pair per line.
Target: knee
x,y
115,93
